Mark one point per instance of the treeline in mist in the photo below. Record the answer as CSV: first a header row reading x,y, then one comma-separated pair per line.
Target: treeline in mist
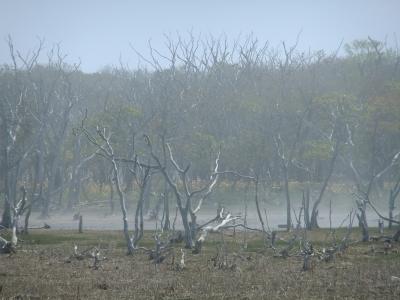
x,y
276,113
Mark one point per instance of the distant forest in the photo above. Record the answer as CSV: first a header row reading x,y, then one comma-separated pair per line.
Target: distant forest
x,y
273,112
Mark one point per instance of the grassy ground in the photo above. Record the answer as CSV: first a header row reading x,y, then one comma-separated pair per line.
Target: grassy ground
x,y
41,270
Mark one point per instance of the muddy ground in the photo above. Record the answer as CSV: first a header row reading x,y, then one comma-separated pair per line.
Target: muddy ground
x,y
44,267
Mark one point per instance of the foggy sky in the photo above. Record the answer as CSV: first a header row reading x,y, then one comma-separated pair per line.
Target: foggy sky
x,y
99,32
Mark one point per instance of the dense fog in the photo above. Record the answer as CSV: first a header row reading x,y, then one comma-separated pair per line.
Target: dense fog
x,y
210,122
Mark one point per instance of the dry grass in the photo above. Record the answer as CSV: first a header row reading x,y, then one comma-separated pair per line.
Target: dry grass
x,y
40,270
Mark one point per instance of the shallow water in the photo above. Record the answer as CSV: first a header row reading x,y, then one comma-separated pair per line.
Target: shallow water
x,y
102,221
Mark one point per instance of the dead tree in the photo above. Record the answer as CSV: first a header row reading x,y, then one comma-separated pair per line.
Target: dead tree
x,y
394,192
185,195
142,174
58,137
286,159
111,181
221,219
13,126
285,151
306,207
74,192
108,152
364,192
165,221
314,212
336,138
103,144
284,163
17,211
255,180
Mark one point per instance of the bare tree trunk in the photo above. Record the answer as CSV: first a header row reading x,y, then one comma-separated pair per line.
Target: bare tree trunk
x,y
394,192
288,202
108,152
56,153
75,186
50,189
306,208
146,195
27,216
11,179
260,218
188,194
37,194
111,198
129,176
362,219
6,217
138,234
121,196
314,213
166,218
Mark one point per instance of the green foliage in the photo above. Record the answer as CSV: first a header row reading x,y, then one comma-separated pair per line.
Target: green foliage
x,y
240,104
318,150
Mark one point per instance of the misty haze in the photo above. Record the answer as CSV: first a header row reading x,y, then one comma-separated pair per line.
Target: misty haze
x,y
199,150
